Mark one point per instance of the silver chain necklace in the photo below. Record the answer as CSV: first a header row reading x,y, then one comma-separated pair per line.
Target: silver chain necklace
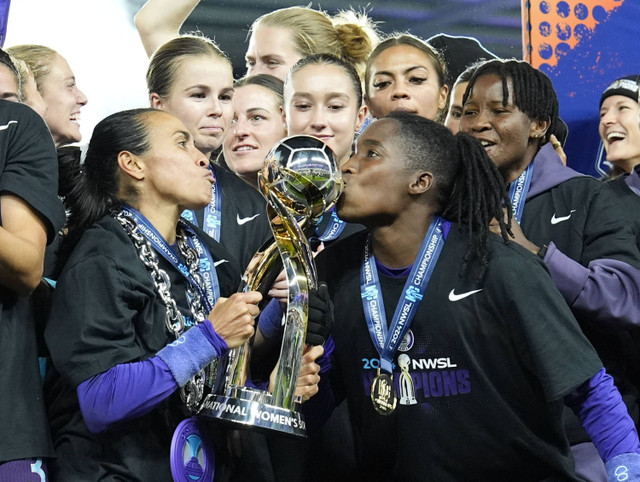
x,y
193,391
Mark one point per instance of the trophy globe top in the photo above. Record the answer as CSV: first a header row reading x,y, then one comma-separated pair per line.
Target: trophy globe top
x,y
304,173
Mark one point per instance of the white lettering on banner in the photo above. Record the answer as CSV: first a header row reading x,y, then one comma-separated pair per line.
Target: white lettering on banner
x,y
518,194
432,363
425,260
401,322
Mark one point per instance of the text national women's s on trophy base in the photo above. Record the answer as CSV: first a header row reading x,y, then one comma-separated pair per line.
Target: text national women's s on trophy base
x,y
301,180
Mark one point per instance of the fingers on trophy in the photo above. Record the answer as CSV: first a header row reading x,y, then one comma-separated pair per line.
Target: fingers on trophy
x,y
301,180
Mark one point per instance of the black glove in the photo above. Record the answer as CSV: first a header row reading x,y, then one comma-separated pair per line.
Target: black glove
x,y
320,323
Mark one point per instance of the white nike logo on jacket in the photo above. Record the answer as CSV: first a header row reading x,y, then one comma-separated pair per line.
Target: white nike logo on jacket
x,y
455,297
242,221
6,126
555,220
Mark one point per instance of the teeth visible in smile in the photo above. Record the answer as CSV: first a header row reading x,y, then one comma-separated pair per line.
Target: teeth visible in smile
x,y
486,143
74,118
245,148
615,136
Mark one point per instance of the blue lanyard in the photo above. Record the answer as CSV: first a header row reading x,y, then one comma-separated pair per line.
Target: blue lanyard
x,y
209,288
334,228
386,340
212,213
518,192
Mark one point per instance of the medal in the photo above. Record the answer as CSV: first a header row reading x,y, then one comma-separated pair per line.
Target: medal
x,y
191,458
387,339
383,394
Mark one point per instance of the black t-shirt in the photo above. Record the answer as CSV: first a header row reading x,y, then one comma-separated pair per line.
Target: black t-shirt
x,y
244,225
29,170
480,394
106,311
596,229
629,202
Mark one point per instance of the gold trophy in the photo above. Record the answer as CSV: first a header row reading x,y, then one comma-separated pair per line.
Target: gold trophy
x,y
301,180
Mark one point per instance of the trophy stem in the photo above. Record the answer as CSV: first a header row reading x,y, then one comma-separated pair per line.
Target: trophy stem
x,y
297,259
300,182
237,360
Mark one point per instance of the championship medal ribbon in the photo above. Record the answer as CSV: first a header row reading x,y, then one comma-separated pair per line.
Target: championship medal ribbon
x,y
386,340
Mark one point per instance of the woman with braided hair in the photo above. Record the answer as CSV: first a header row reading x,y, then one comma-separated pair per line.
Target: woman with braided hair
x,y
466,379
145,302
569,220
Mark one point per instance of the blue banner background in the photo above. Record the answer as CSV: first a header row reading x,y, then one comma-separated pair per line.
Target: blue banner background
x,y
609,51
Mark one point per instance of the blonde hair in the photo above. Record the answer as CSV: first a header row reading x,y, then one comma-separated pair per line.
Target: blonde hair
x,y
348,35
166,60
23,77
37,57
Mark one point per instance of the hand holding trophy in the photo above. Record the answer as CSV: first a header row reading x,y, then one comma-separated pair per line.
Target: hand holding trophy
x,y
301,180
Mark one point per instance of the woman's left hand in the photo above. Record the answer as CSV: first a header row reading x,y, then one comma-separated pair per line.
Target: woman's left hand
x,y
518,235
309,375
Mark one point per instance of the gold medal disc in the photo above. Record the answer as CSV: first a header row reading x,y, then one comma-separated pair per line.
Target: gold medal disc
x,y
383,394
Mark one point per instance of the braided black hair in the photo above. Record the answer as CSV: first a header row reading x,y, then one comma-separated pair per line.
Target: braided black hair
x,y
469,188
533,91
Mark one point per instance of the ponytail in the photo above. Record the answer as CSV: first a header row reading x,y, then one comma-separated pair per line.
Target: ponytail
x,y
69,171
358,36
96,183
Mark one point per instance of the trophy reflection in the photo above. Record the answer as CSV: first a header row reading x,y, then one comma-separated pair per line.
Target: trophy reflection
x,y
300,180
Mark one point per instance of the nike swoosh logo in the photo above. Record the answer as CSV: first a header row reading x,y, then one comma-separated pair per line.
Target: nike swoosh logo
x,y
455,297
242,221
555,220
216,263
6,126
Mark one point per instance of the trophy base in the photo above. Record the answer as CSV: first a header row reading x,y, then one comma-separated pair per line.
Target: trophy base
x,y
252,408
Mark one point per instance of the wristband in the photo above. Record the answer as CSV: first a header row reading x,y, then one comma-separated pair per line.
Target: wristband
x,y
189,354
624,468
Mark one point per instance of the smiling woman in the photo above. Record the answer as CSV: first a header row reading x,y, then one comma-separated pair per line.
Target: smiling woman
x,y
256,127
620,124
572,221
57,86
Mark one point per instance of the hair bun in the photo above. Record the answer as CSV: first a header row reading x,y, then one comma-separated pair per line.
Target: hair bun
x,y
358,36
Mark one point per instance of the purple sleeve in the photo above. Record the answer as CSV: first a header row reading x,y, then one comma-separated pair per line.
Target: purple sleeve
x,y
129,390
270,321
603,415
325,360
607,290
193,351
126,391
